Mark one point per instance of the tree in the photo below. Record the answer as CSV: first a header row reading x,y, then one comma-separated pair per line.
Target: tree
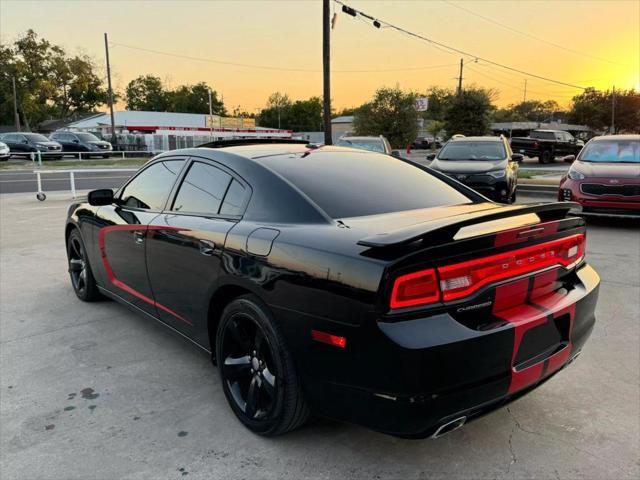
x,y
435,127
439,98
195,99
468,113
275,115
49,83
147,93
391,113
306,115
530,111
593,108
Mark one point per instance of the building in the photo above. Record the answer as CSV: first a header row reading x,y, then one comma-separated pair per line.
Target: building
x,y
160,131
522,129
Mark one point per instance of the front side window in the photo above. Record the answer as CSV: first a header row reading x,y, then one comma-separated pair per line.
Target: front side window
x,y
202,190
461,150
149,190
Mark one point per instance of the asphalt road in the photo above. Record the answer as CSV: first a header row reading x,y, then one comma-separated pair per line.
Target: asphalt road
x,y
97,391
16,181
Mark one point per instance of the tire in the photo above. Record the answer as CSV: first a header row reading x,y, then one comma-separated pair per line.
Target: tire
x,y
546,157
512,198
255,364
82,280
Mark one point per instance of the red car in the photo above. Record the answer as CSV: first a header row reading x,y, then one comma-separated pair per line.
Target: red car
x,y
605,177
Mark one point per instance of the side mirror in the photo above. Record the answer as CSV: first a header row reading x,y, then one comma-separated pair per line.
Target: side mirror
x,y
569,158
396,153
76,141
25,141
431,156
517,157
97,198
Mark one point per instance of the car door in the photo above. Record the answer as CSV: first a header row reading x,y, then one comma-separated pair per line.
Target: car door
x,y
122,231
17,143
185,251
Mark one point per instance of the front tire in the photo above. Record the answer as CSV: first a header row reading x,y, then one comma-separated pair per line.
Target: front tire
x,y
84,285
257,371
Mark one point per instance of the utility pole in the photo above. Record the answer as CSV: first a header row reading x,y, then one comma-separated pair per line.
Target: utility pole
x,y
210,117
524,99
460,77
613,110
15,104
114,140
326,75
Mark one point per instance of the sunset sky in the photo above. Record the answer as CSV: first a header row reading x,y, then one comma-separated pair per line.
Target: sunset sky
x,y
600,43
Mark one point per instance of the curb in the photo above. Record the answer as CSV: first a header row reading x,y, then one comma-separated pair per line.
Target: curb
x,y
536,188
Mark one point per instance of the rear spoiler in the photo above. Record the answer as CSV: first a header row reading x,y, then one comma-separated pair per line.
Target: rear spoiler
x,y
450,226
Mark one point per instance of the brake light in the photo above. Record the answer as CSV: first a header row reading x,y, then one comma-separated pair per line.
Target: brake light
x,y
536,145
415,289
462,279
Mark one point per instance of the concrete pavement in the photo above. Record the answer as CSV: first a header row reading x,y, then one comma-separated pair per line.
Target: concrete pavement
x,y
97,391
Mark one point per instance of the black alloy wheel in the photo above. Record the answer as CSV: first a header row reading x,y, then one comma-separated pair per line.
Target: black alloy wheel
x,y
82,279
257,372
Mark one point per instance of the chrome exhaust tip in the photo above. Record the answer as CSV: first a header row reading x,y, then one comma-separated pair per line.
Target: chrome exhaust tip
x,y
449,427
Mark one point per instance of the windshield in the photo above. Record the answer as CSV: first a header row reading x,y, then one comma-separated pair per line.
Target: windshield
x,y
36,137
87,137
460,150
623,151
373,145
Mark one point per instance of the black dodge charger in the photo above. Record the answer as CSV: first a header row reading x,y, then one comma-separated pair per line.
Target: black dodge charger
x,y
339,282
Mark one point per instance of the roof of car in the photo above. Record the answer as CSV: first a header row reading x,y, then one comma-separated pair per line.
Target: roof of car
x,y
628,136
360,137
477,139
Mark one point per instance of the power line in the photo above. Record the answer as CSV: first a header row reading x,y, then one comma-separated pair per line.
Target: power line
x,y
516,87
270,67
525,34
386,24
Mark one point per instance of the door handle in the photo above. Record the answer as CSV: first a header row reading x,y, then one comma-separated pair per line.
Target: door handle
x,y
138,237
207,247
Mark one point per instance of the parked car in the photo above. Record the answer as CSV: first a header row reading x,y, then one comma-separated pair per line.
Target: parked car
x,y
4,151
343,283
485,164
82,143
372,144
421,143
605,176
26,144
546,145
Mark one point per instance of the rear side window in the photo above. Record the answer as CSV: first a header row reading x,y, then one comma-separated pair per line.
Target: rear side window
x,y
202,190
149,189
361,183
234,199
543,135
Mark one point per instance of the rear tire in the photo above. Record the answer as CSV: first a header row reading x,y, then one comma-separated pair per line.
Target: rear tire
x,y
84,285
256,369
546,157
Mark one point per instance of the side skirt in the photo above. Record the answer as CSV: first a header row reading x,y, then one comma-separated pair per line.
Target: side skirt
x,y
118,298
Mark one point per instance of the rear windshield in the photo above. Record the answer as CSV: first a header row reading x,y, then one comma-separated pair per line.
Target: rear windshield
x,y
623,151
461,150
361,183
543,135
373,145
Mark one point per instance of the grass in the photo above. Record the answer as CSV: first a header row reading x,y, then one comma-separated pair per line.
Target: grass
x,y
73,163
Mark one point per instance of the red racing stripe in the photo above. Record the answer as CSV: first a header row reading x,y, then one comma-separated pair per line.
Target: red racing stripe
x,y
123,286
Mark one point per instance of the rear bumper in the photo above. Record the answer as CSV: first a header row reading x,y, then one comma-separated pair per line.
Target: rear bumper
x,y
419,374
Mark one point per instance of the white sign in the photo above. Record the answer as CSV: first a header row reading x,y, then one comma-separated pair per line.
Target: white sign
x,y
422,104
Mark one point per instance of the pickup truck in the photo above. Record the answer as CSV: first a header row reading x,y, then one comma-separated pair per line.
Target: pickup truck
x,y
546,145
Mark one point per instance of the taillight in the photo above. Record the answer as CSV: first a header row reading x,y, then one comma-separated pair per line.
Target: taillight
x,y
536,145
462,279
415,289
